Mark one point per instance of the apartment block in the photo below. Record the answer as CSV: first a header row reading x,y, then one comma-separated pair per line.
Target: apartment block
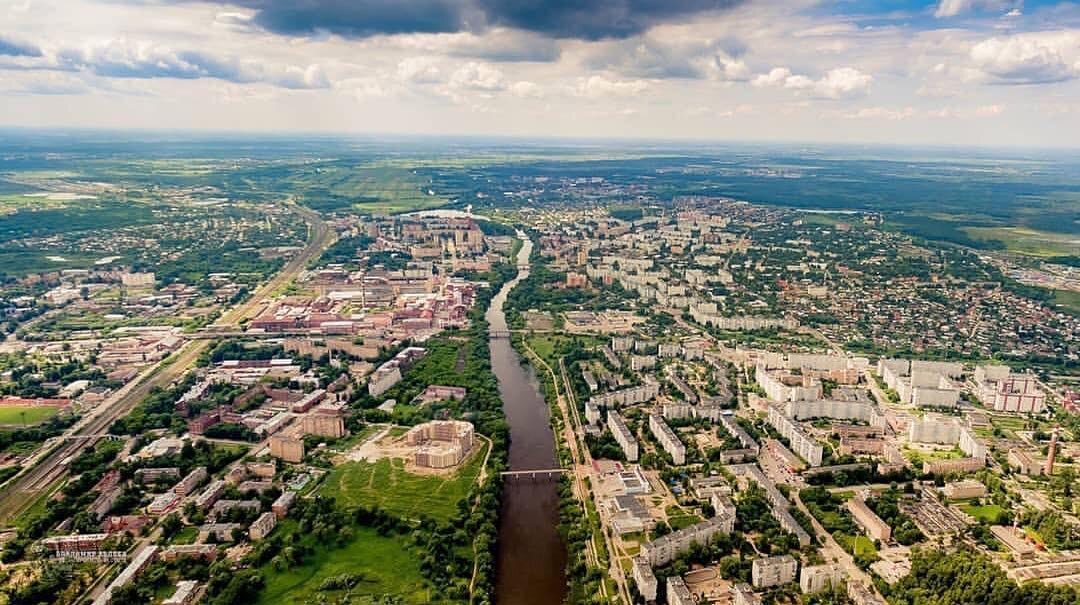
x,y
623,436
816,578
644,579
875,528
677,592
665,549
262,526
767,572
801,442
668,439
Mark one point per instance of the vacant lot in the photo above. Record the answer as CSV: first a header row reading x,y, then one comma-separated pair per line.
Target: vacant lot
x,y
384,564
389,486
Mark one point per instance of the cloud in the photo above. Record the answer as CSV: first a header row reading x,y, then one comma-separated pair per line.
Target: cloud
x,y
601,86
526,89
1030,58
577,19
664,57
14,48
51,84
142,60
837,83
502,45
478,77
952,8
881,113
419,70
595,19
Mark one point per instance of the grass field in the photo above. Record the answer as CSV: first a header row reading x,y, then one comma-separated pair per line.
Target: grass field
x,y
1028,241
987,513
18,415
387,567
859,545
1068,299
389,486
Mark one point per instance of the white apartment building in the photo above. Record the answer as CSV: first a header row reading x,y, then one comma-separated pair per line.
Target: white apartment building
x,y
668,439
666,548
816,578
677,592
628,396
767,572
801,442
622,434
644,579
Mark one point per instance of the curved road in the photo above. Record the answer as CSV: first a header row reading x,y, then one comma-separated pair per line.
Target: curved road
x,y
50,468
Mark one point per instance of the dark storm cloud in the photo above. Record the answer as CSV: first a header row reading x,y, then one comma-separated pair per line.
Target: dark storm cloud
x,y
580,19
12,48
361,18
594,19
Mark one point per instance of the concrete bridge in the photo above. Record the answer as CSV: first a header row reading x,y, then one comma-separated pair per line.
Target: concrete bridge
x,y
535,474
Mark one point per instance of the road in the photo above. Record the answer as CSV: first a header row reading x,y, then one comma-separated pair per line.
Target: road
x,y
50,468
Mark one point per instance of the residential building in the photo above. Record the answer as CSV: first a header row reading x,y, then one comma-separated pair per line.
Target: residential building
x,y
288,448
677,592
816,578
185,593
262,526
666,548
767,572
193,479
644,579
742,594
668,439
872,524
802,443
623,436
967,488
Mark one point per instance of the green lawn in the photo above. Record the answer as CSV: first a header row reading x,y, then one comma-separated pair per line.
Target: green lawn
x,y
385,564
18,415
859,545
389,486
987,513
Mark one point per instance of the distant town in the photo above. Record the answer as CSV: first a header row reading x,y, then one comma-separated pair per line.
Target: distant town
x,y
572,388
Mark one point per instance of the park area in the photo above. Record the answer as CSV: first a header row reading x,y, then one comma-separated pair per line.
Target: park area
x,y
364,570
26,415
386,484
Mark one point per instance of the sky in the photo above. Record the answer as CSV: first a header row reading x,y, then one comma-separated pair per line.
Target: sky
x,y
941,72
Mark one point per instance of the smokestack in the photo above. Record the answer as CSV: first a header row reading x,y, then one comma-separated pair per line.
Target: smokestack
x,y
1051,453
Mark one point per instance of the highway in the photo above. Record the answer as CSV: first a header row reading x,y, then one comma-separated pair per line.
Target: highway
x,y
51,467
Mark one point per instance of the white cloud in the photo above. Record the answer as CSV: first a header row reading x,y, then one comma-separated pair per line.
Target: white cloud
x,y
601,86
1030,58
989,111
837,83
882,113
419,70
952,8
526,89
477,76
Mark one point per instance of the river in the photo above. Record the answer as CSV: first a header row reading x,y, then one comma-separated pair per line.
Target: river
x,y
532,555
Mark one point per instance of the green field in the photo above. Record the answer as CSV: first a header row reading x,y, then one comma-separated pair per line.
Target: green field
x,y
386,566
389,486
860,545
987,513
1068,299
18,415
1029,242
